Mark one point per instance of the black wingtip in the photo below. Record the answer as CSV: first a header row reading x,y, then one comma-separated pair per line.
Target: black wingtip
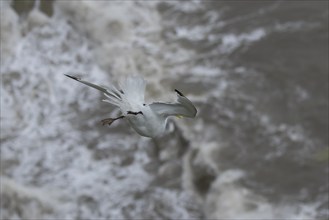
x,y
72,77
179,93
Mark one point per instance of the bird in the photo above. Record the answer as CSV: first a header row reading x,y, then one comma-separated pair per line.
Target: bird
x,y
148,120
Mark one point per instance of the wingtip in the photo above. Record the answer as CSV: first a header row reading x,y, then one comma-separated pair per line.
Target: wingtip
x,y
179,93
72,77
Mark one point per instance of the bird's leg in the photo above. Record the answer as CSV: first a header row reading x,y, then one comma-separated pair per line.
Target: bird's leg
x,y
109,121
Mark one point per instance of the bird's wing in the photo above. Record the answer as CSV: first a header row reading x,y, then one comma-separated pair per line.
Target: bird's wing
x,y
183,107
112,93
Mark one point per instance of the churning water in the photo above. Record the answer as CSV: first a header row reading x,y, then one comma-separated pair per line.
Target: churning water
x,y
256,70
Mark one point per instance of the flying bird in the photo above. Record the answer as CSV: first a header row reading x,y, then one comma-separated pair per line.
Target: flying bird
x,y
148,120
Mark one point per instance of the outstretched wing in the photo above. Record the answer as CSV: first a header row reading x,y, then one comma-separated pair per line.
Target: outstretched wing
x,y
112,93
183,107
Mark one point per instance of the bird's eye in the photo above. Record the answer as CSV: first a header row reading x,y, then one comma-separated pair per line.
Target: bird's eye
x,y
144,104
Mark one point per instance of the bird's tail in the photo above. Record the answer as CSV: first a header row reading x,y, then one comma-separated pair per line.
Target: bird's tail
x,y
133,88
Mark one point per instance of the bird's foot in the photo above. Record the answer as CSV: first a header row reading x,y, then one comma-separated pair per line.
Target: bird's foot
x,y
109,121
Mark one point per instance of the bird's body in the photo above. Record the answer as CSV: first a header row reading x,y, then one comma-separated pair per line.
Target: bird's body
x,y
148,120
149,124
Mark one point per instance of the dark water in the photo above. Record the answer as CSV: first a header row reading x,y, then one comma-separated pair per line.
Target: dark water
x,y
278,88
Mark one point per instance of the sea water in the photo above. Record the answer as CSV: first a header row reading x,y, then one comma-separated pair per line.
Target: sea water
x,y
257,72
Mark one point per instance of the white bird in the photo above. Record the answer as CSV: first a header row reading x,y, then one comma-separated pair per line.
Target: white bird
x,y
148,120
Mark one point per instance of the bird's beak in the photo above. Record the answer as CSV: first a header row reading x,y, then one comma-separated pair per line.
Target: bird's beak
x,y
179,116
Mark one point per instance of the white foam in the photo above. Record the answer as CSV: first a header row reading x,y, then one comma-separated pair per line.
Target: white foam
x,y
42,111
10,32
232,41
195,33
228,200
